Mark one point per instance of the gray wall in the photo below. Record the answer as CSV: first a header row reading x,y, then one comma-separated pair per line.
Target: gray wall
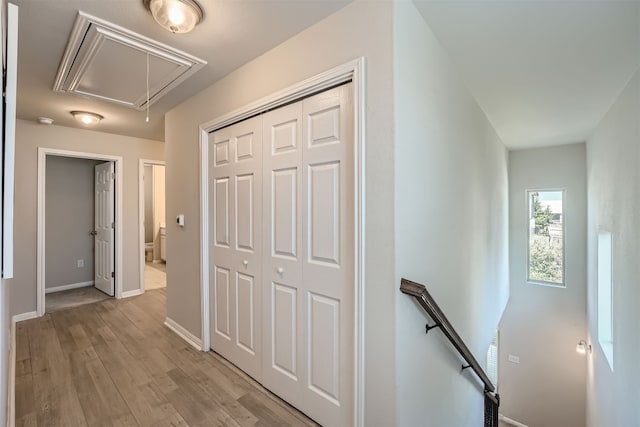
x,y
451,224
613,159
29,137
362,28
542,324
70,195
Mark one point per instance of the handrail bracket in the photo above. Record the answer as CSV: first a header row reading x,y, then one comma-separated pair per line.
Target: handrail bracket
x,y
428,328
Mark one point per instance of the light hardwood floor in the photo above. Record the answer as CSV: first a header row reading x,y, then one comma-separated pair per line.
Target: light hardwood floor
x,y
155,275
115,363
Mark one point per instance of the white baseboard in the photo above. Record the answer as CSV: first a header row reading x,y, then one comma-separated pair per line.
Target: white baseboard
x,y
11,383
183,333
25,316
132,293
68,287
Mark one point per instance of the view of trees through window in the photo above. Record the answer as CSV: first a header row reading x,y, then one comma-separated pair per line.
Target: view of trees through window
x,y
546,237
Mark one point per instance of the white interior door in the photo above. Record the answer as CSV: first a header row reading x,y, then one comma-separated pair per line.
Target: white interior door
x,y
283,365
104,234
309,255
236,228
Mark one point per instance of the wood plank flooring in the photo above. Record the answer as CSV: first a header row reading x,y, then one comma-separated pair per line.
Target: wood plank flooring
x,y
114,363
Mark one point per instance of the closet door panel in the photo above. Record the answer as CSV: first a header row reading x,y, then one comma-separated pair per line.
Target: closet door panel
x,y
328,255
235,171
283,371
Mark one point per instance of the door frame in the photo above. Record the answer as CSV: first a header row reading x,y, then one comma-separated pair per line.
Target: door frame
x,y
353,71
141,244
41,231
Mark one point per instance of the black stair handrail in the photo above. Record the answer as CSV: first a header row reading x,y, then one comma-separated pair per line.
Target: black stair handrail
x,y
420,293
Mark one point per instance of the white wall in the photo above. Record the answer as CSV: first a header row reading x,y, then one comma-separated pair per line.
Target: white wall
x,y
451,219
542,324
70,206
30,136
613,156
362,28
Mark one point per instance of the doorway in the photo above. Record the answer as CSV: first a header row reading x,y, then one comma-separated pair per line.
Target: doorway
x,y
79,197
71,224
152,218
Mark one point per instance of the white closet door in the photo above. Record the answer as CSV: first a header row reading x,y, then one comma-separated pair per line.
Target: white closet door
x,y
235,194
309,255
328,255
283,325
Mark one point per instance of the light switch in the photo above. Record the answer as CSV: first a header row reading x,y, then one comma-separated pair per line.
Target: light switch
x,y
513,359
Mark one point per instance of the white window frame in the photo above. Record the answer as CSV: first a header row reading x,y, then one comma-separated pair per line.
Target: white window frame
x,y
605,294
564,235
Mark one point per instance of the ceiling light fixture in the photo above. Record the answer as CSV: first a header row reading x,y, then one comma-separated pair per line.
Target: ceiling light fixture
x,y
177,16
86,118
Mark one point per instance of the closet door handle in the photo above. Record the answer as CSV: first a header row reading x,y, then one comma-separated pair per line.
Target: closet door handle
x,y
280,270
245,263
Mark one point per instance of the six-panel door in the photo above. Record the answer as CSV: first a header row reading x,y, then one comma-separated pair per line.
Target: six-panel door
x,y
236,226
306,304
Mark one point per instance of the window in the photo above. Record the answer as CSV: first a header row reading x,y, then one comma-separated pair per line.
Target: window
x,y
605,295
546,237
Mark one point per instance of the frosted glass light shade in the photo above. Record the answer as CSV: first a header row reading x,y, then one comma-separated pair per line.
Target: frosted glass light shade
x,y
86,118
177,16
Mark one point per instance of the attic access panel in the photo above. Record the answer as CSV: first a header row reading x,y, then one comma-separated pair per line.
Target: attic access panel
x,y
109,63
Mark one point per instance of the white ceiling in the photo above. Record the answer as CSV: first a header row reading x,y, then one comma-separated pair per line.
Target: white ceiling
x,y
233,32
545,72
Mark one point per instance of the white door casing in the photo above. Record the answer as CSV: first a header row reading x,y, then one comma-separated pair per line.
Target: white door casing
x,y
235,241
104,226
309,263
353,71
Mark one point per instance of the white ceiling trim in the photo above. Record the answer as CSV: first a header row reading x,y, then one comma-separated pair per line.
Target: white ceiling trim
x,y
92,36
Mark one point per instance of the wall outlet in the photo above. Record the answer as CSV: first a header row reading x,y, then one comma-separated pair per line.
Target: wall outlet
x,y
80,263
513,359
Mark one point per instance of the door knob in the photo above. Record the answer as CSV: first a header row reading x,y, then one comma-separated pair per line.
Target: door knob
x,y
93,233
245,262
280,270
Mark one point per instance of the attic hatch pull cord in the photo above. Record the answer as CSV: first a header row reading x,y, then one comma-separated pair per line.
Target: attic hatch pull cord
x,y
147,120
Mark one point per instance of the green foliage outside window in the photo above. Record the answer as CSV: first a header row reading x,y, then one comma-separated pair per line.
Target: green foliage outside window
x,y
545,247
542,217
545,259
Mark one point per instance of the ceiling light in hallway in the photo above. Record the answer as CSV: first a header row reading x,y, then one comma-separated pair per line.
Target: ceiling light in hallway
x,y
177,16
86,117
